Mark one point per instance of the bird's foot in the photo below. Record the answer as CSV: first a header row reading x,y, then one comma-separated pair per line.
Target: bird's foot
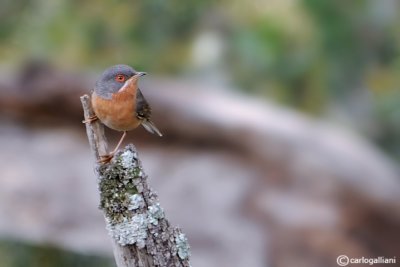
x,y
105,158
90,119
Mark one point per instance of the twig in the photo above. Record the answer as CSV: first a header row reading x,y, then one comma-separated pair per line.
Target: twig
x,y
142,236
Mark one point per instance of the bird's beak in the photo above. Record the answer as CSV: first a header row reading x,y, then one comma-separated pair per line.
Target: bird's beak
x,y
140,74
135,77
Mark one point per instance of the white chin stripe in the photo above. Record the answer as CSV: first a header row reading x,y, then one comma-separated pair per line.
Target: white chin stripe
x,y
125,85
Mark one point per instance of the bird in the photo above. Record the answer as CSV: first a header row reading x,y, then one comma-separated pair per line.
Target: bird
x,y
119,104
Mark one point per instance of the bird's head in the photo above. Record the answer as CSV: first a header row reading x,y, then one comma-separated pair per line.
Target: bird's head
x,y
116,78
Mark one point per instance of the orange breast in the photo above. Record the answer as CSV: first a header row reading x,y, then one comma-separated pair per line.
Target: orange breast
x,y
119,112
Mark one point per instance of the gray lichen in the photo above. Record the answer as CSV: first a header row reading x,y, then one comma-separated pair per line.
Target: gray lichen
x,y
127,159
155,212
130,232
136,202
182,246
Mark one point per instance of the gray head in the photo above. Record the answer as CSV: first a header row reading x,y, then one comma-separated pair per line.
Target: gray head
x,y
113,79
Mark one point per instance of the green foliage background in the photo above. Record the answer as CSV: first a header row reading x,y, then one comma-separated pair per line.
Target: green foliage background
x,y
17,254
316,56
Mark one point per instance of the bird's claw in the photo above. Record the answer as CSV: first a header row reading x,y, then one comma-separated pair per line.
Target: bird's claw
x,y
90,119
105,158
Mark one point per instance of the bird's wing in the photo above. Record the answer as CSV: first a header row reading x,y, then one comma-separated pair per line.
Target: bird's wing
x,y
143,113
143,109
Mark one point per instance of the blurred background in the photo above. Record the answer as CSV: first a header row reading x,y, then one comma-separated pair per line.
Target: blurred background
x,y
281,123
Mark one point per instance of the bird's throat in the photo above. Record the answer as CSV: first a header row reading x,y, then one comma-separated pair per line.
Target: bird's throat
x,y
129,86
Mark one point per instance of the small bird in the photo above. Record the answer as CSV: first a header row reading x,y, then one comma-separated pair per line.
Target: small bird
x,y
119,104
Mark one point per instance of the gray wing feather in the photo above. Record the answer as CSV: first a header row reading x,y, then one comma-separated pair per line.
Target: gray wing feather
x,y
143,112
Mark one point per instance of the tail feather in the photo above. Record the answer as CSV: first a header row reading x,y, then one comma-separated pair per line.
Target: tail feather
x,y
150,127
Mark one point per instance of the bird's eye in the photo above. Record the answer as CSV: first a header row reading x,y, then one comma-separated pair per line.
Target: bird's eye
x,y
120,78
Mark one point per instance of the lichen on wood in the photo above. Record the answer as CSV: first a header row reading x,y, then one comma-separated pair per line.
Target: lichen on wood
x,y
134,217
133,213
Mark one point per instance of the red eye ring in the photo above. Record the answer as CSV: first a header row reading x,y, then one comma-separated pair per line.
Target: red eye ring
x,y
120,78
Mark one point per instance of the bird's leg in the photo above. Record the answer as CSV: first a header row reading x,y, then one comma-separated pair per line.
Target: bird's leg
x,y
90,119
108,157
119,143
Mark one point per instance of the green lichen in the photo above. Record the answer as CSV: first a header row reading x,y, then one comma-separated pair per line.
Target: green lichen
x,y
118,182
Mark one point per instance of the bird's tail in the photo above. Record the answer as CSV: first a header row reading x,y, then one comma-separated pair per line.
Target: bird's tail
x,y
150,127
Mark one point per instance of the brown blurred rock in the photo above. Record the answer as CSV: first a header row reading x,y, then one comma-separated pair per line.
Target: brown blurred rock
x,y
236,173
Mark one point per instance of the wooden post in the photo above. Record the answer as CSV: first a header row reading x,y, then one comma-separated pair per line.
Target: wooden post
x,y
142,236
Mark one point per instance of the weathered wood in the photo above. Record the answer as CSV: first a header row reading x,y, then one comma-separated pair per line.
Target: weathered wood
x,y
142,236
